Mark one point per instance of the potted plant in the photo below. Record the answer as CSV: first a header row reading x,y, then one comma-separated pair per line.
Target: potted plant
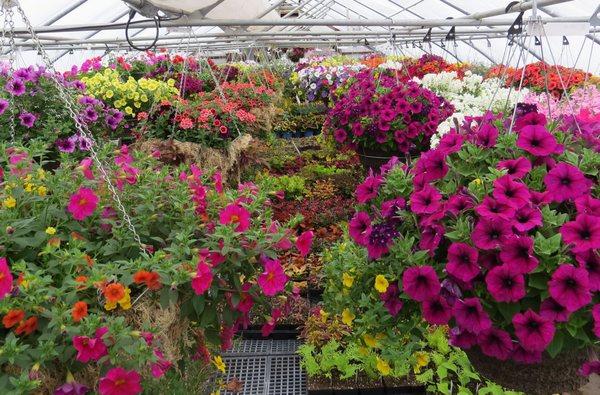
x,y
379,115
496,235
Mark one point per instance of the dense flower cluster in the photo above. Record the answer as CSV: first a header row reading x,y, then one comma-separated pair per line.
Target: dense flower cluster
x,y
431,64
317,83
377,110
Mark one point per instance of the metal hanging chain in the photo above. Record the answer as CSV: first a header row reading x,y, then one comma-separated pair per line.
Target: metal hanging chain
x,y
9,20
81,127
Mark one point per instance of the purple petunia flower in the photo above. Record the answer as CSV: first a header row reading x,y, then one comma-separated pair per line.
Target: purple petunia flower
x,y
510,192
368,189
436,311
15,87
462,261
3,105
517,252
534,332
583,233
569,286
84,143
523,356
65,145
90,114
491,208
486,136
566,182
588,368
554,311
526,218
359,228
426,201
27,119
505,283
490,233
391,299
590,261
537,141
470,315
421,283
495,343
462,338
72,388
518,168
380,239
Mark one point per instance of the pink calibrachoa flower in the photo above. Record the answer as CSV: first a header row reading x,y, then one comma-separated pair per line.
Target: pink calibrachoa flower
x,y
6,278
421,283
273,279
234,214
534,332
89,348
566,182
569,286
119,381
83,203
204,277
304,242
583,233
495,343
218,179
160,367
86,168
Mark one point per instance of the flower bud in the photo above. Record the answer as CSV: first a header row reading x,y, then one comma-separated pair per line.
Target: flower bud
x,y
10,230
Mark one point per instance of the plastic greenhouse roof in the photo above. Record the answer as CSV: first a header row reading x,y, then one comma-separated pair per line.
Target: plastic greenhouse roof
x,y
474,43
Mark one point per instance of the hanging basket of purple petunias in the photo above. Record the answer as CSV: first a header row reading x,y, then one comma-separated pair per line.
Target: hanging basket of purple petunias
x,y
497,235
380,114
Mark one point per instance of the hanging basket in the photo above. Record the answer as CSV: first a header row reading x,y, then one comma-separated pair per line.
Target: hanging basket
x,y
551,376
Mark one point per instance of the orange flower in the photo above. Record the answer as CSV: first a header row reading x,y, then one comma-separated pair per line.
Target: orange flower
x,y
151,279
141,276
12,318
27,327
114,292
89,260
54,242
80,310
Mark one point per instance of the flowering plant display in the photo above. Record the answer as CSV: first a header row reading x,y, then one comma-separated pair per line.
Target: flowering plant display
x,y
494,234
317,83
376,110
431,64
73,281
29,99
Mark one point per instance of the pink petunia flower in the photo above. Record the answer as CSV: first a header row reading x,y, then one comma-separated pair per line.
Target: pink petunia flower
x,y
119,381
495,343
234,214
534,332
359,228
436,311
596,317
6,278
83,203
526,357
588,368
421,283
517,168
569,286
537,141
470,315
587,204
426,201
527,218
273,279
590,261
517,252
89,348
491,208
462,261
511,192
554,311
566,182
489,234
505,283
304,242
583,233
204,277
368,189
462,338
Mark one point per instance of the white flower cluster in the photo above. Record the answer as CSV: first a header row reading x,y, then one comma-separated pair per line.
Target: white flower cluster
x,y
390,64
471,96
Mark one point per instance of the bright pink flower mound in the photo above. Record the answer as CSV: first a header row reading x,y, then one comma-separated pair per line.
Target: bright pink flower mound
x,y
273,279
234,214
119,381
204,277
6,278
304,242
83,203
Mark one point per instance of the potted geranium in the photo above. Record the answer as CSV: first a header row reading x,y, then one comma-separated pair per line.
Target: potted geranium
x,y
380,116
496,235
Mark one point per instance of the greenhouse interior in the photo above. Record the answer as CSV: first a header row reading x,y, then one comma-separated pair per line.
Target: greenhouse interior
x,y
300,197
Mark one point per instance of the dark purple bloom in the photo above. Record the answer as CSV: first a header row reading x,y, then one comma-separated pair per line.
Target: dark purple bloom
x,y
583,233
520,355
537,141
469,315
517,252
380,239
491,233
462,338
518,168
534,332
3,105
15,87
462,261
495,343
526,218
27,119
511,192
391,299
569,286
565,182
505,284
436,311
421,283
491,208
554,311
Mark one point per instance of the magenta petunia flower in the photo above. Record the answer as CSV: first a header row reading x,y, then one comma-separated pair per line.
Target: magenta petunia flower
x,y
273,279
381,237
588,368
470,315
534,332
234,214
596,317
590,261
486,136
6,278
15,86
391,208
517,168
489,259
462,261
450,143
462,338
523,356
569,286
86,168
27,119
531,118
71,388
432,165
431,236
527,218
3,105
83,203
421,283
491,208
511,192
490,233
436,311
340,135
89,349
505,283
304,242
119,381
583,234
66,145
566,182
495,343
587,204
426,201
552,310
459,202
537,141
368,189
359,228
203,279
391,299
517,252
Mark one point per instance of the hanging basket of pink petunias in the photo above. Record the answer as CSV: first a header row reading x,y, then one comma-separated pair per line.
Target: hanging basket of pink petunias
x,y
498,236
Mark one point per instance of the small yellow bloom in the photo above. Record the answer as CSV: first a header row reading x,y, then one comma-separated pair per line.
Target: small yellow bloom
x,y
478,181
41,173
381,283
128,110
125,301
347,280
364,351
422,361
108,306
51,230
324,315
42,190
109,94
348,317
219,364
9,202
171,82
383,367
29,187
370,341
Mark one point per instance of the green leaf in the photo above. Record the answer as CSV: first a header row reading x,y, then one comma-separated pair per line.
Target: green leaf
x,y
556,346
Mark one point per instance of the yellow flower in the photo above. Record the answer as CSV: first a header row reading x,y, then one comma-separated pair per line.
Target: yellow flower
x,y
41,173
364,351
324,315
171,82
478,181
348,317
42,190
9,202
108,306
128,110
370,341
109,94
29,187
348,280
381,283
383,367
219,364
137,104
422,361
51,230
125,301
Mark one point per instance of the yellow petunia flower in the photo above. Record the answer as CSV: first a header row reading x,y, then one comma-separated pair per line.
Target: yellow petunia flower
x,y
383,367
10,202
219,364
348,317
50,230
347,280
370,340
381,283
